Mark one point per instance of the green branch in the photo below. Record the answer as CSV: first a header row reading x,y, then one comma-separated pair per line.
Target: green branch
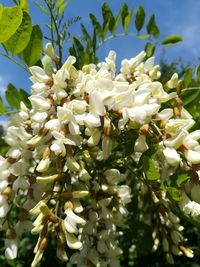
x,y
54,23
15,61
114,36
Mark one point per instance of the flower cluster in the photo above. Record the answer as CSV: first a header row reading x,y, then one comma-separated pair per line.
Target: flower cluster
x,y
61,170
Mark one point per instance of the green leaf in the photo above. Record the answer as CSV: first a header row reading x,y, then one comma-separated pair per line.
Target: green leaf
x,y
189,96
96,26
198,73
152,27
182,178
172,39
11,18
59,3
150,169
149,49
128,20
94,41
33,51
117,20
62,8
12,96
79,47
2,107
24,5
124,13
1,10
23,95
174,193
143,36
79,52
105,29
41,8
140,18
86,35
20,39
188,77
108,17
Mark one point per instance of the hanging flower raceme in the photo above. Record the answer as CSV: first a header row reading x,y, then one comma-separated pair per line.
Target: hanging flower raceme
x,y
67,169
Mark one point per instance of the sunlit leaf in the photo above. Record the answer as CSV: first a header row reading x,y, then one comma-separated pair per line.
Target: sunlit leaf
x,y
149,49
62,8
24,5
182,178
117,20
174,193
172,39
150,169
20,39
11,18
128,20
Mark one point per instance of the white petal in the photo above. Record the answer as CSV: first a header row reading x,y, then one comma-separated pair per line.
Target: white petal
x,y
70,226
70,214
11,248
171,155
193,156
96,104
53,124
72,241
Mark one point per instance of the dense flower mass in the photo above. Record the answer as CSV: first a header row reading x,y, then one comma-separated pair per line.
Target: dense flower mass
x,y
67,169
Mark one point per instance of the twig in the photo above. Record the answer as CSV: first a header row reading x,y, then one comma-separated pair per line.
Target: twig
x,y
15,61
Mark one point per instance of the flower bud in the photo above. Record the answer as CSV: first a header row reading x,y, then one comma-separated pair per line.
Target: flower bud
x,y
84,175
39,253
43,166
106,147
48,179
72,164
80,194
72,241
49,50
61,253
187,252
165,244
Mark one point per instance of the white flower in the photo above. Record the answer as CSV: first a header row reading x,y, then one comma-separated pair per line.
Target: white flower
x,y
140,144
72,241
11,246
192,156
172,156
39,75
4,206
72,220
189,207
39,103
124,192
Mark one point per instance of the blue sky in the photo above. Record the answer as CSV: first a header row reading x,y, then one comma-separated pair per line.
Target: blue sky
x,y
172,16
